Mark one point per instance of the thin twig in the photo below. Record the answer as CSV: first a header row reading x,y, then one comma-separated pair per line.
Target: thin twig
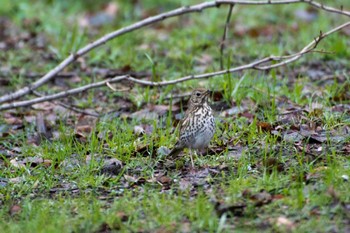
x,y
100,72
257,65
222,45
145,22
311,46
282,60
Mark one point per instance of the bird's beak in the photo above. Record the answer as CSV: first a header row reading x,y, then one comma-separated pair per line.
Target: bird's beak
x,y
208,92
206,95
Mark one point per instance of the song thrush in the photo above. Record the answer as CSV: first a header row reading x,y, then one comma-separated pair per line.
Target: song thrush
x,y
197,127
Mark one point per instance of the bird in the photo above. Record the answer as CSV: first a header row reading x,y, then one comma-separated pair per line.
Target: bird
x,y
197,128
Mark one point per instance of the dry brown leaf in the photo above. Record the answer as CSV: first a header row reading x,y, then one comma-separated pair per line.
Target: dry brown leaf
x,y
13,120
236,209
264,126
36,161
14,162
83,129
15,209
261,198
285,222
122,216
164,180
138,130
135,180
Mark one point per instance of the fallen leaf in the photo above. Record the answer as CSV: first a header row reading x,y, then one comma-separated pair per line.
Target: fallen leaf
x,y
264,126
83,128
164,180
138,130
143,129
32,161
13,120
272,163
15,209
134,180
285,222
277,197
85,124
247,115
234,209
122,216
14,162
261,198
7,153
36,161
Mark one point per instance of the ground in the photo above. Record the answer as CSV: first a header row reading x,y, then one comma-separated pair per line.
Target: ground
x,y
278,162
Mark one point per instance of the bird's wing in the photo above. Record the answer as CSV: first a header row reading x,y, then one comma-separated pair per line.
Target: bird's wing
x,y
183,124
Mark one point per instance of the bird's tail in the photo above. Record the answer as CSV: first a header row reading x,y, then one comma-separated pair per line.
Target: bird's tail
x,y
175,151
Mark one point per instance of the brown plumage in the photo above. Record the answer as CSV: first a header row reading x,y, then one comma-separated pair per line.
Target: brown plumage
x,y
197,127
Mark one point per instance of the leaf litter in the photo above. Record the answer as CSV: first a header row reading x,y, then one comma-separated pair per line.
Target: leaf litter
x,y
287,127
293,125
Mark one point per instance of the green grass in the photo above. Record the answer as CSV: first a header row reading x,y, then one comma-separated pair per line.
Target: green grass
x,y
71,194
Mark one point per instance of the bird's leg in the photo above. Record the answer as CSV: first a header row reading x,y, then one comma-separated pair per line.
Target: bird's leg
x,y
191,158
198,154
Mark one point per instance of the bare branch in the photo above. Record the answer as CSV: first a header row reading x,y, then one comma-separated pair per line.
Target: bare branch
x,y
222,44
148,21
61,94
100,72
310,47
257,65
283,60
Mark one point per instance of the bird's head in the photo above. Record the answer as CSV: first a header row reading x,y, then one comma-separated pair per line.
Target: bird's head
x,y
199,97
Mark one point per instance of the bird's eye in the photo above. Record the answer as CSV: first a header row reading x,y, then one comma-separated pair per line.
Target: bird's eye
x,y
198,94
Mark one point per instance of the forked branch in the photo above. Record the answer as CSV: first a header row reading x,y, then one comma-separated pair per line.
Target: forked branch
x,y
148,21
257,65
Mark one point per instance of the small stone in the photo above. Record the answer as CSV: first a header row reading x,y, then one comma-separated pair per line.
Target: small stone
x,y
112,167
